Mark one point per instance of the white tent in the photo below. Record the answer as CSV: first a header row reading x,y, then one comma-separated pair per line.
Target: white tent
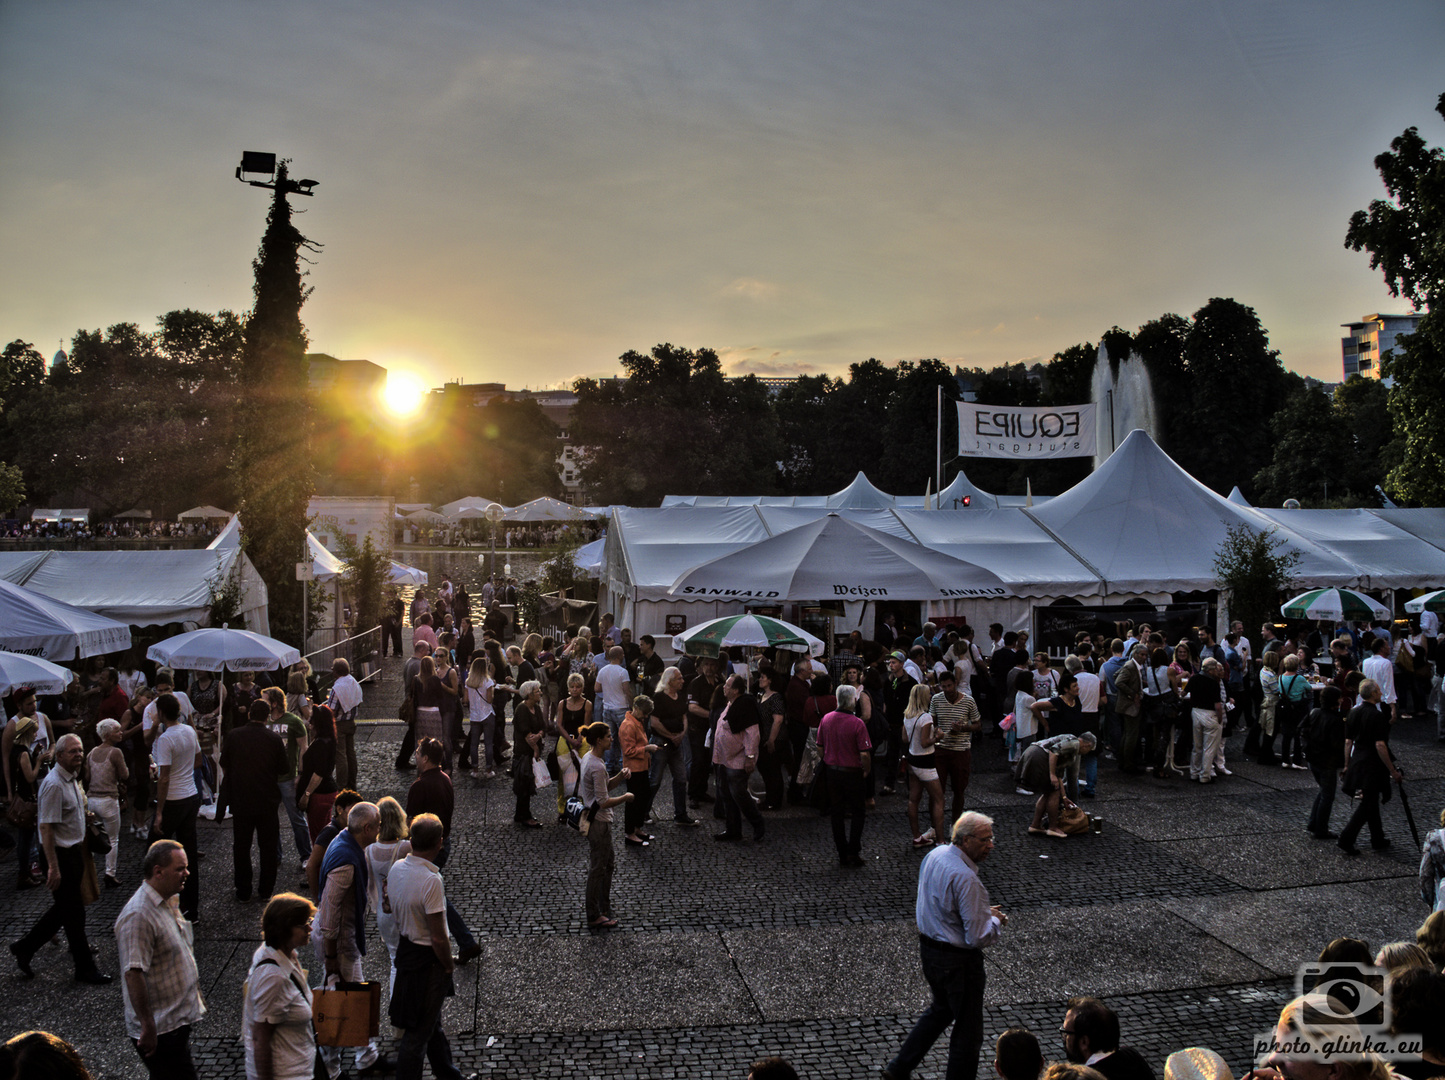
x,y
60,515
1237,497
1146,527
588,558
475,502
324,565
141,588
860,495
39,625
401,574
203,513
229,537
548,509
1378,553
430,517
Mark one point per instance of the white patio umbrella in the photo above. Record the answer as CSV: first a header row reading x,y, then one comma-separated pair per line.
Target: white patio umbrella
x,y
1430,601
1334,604
401,574
835,558
212,648
17,669
34,623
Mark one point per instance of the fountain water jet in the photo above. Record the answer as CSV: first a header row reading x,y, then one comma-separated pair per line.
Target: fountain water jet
x,y
1133,402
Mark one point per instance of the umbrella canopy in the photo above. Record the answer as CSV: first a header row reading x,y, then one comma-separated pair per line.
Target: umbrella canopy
x,y
213,648
1430,601
204,513
401,574
36,624
1336,604
474,513
547,509
835,558
759,631
42,676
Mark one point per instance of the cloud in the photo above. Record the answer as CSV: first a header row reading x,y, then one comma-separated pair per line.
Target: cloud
x,y
754,360
751,289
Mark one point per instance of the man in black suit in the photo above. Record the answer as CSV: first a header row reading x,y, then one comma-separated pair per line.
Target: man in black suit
x,y
253,760
1091,1037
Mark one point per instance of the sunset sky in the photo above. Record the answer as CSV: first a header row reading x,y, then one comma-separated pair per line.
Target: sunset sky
x,y
519,192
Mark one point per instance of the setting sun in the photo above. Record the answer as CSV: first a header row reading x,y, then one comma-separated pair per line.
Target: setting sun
x,y
402,396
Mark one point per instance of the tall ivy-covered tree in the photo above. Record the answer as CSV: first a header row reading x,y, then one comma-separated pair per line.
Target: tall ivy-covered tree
x,y
274,475
1405,236
674,425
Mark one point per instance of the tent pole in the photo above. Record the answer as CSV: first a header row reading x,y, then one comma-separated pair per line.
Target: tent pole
x,y
938,463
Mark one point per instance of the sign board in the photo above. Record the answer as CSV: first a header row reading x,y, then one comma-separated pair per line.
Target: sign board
x,y
304,572
1026,433
675,624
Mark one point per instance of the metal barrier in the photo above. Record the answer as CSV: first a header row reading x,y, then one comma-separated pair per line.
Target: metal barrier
x,y
362,651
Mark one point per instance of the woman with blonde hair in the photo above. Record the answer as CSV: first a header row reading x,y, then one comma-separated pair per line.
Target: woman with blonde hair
x,y
1311,1026
1269,707
390,847
574,716
483,716
918,731
106,774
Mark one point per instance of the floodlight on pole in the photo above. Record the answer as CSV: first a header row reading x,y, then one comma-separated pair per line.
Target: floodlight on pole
x,y
256,163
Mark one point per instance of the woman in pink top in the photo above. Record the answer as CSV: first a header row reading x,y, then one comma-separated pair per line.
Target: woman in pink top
x,y
735,750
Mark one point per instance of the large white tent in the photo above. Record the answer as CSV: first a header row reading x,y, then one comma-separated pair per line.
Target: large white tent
x,y
548,509
1139,527
42,626
141,588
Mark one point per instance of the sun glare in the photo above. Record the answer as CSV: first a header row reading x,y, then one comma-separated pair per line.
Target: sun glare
x,y
402,396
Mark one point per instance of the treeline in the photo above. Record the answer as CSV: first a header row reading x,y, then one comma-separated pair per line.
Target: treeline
x,y
152,420
1228,412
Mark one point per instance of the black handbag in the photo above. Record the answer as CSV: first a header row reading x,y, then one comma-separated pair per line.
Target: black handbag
x,y
95,838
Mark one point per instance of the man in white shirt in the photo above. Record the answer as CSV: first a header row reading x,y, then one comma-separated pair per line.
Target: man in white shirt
x,y
914,663
612,687
60,814
1091,697
165,684
344,701
177,754
162,987
1379,668
424,963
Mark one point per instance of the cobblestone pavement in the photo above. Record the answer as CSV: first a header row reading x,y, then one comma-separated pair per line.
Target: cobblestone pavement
x,y
1189,912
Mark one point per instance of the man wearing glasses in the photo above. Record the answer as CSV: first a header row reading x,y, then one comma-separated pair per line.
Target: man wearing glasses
x,y
955,924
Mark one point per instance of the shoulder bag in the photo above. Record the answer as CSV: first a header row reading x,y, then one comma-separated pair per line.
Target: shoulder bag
x,y
576,810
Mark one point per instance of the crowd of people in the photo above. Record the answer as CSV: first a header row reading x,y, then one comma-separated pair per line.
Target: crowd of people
x,y
128,529
521,536
606,721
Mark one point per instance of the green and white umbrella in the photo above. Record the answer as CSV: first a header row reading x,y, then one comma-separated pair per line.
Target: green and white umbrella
x,y
1430,601
759,631
1336,604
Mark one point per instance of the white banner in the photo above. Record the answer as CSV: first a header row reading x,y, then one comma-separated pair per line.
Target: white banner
x,y
1012,431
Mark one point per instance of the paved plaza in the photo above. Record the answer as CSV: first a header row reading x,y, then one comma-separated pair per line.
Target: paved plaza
x,y
1189,914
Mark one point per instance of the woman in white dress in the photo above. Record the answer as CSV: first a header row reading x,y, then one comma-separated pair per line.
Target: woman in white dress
x,y
391,847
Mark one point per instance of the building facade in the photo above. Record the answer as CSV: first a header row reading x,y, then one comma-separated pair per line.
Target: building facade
x,y
1370,338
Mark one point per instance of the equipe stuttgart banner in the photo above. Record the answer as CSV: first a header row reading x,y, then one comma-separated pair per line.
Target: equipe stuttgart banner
x,y
1010,431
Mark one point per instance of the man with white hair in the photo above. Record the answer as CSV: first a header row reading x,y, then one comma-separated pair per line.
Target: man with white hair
x,y
60,813
340,929
847,754
955,924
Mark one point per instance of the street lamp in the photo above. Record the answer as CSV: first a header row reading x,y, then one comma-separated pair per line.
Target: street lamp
x,y
258,164
494,515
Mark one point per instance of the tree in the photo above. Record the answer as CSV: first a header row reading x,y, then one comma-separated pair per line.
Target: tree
x,y
1302,429
1371,449
1253,570
12,487
1236,385
273,459
910,427
1406,241
367,567
674,424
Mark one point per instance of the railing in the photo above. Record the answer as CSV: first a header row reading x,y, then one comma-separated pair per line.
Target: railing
x,y
362,651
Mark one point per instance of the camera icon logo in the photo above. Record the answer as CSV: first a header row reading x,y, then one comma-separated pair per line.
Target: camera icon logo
x,y
1354,992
